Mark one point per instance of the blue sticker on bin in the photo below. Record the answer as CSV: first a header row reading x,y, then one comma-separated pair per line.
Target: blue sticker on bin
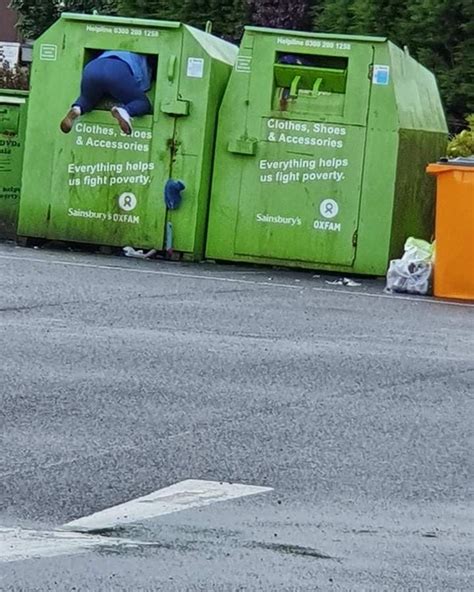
x,y
381,74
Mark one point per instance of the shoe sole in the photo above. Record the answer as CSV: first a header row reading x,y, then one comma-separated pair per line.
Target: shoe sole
x,y
68,122
123,123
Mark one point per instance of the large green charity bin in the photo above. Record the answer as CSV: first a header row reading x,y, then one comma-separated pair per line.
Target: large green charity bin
x,y
321,151
99,186
13,111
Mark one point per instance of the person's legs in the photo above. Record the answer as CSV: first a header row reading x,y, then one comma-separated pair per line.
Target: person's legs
x,y
123,87
109,76
134,108
139,105
67,123
92,86
92,91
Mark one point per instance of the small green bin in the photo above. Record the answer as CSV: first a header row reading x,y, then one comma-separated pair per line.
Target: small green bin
x,y
13,112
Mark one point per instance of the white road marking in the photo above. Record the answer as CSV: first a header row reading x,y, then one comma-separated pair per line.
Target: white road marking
x,y
345,291
192,493
17,544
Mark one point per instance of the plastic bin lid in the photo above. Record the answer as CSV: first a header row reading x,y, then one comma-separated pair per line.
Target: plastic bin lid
x,y
459,161
444,165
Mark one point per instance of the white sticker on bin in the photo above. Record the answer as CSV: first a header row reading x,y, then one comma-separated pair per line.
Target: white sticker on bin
x,y
381,75
195,68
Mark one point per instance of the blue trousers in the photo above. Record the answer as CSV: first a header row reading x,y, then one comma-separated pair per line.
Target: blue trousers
x,y
112,76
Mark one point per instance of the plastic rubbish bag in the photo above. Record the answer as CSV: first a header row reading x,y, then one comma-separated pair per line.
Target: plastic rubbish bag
x,y
343,282
131,252
413,278
419,250
412,273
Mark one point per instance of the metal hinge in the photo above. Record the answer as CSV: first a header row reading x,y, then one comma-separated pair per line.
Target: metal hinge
x,y
355,236
247,146
176,107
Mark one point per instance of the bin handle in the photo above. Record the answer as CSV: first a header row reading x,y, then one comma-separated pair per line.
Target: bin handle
x,y
294,86
171,67
316,86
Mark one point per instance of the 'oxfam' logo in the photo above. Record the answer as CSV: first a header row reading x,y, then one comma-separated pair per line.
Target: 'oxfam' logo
x,y
329,208
127,201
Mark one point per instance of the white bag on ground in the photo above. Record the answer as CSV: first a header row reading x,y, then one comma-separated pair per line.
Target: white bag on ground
x,y
414,271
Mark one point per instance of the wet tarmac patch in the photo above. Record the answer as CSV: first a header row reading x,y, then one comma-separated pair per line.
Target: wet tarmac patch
x,y
111,531
290,549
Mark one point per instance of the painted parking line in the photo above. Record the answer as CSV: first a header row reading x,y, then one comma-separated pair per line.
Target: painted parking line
x,y
18,544
192,493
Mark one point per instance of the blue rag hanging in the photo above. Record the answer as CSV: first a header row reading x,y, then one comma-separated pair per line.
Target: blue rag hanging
x,y
173,195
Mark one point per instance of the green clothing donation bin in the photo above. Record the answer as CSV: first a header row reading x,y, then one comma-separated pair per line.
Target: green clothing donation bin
x,y
97,185
13,111
321,151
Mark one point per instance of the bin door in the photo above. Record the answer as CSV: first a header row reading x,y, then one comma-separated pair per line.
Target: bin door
x,y
301,189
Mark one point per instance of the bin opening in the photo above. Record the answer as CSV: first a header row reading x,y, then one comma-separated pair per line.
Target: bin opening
x,y
108,102
310,82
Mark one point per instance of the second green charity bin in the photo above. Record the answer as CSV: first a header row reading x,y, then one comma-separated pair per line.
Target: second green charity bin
x,y
13,112
99,186
321,150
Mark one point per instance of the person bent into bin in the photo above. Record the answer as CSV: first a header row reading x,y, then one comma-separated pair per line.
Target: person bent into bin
x,y
123,75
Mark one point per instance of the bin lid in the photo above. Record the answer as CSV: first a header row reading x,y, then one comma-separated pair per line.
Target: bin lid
x,y
120,20
291,33
460,160
449,164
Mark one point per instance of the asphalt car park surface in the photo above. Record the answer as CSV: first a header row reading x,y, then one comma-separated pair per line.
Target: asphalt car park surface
x,y
121,377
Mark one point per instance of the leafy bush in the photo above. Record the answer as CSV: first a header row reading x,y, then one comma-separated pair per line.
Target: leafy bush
x,y
16,78
462,144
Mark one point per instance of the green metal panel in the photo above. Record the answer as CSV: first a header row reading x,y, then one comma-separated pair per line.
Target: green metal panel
x,y
96,185
307,168
407,129
13,111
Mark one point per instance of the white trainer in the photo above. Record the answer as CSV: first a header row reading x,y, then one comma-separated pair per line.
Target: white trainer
x,y
123,118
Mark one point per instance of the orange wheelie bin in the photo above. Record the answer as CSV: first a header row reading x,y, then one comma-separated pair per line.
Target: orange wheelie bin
x,y
454,229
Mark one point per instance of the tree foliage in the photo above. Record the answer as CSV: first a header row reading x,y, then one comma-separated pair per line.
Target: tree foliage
x,y
463,143
37,15
16,77
228,17
364,17
439,33
280,14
